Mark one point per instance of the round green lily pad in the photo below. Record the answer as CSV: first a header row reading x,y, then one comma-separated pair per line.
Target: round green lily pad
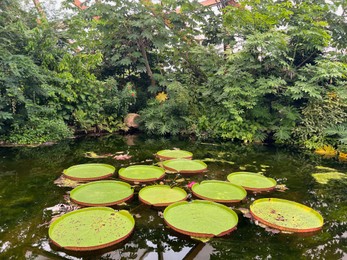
x,y
89,172
200,218
161,195
91,228
174,154
219,191
185,166
252,181
102,193
141,173
286,215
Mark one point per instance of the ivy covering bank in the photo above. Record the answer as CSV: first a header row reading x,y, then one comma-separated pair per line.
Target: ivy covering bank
x,y
263,70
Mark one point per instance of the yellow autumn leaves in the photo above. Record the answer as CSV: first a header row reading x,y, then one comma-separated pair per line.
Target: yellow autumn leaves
x,y
329,151
161,97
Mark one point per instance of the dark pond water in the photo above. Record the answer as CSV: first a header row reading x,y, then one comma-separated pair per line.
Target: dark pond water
x,y
27,188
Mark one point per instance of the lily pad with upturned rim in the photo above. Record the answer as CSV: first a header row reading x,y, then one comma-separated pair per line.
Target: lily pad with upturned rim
x,y
286,215
91,228
141,173
161,195
252,181
185,166
89,172
174,154
102,193
200,218
219,191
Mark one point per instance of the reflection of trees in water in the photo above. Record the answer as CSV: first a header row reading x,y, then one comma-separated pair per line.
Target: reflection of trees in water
x,y
26,186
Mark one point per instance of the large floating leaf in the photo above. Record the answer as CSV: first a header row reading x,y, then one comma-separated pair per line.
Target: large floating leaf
x,y
325,177
185,166
252,181
219,191
161,195
200,218
91,228
286,215
174,154
141,173
102,193
89,172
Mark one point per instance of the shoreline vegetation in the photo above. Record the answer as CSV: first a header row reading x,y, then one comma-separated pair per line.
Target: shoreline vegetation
x,y
254,72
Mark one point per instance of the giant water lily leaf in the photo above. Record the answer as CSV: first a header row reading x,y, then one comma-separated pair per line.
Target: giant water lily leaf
x,y
286,215
102,193
91,228
141,173
200,218
89,172
185,166
161,195
174,154
219,191
325,177
252,181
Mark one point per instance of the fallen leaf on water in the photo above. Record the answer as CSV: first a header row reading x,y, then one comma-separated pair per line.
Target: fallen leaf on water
x,y
122,157
180,180
137,216
281,187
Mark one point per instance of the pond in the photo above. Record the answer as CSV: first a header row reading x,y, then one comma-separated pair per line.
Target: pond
x,y
27,188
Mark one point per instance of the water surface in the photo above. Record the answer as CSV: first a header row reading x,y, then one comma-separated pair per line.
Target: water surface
x,y
27,188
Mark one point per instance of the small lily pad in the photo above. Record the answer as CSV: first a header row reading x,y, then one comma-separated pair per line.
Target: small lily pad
x,y
325,177
89,172
141,173
174,154
161,195
219,191
91,228
102,193
252,181
200,218
185,166
286,215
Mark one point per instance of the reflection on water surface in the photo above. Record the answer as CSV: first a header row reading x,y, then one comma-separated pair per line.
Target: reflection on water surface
x,y
26,189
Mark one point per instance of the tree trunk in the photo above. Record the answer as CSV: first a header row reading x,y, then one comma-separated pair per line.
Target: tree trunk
x,y
40,9
142,48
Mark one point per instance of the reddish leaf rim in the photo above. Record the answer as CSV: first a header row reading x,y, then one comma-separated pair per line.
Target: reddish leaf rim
x,y
160,204
218,200
107,175
196,234
131,180
92,248
186,171
296,230
255,189
163,157
101,204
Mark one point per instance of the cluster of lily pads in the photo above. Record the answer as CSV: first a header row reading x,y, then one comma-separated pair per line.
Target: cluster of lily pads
x,y
99,226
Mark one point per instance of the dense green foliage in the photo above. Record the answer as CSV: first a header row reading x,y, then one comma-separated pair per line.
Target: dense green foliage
x,y
263,71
